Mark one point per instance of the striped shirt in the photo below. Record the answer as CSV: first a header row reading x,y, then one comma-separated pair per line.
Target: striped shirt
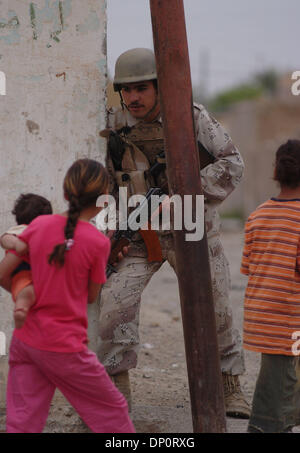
x,y
271,259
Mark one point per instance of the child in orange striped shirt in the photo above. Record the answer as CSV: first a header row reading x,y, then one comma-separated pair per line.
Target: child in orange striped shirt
x,y
271,259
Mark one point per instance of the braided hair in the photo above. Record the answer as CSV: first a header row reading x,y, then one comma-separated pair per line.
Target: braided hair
x,y
84,182
287,164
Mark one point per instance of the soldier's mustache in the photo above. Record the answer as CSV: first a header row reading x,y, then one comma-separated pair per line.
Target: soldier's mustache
x,y
135,104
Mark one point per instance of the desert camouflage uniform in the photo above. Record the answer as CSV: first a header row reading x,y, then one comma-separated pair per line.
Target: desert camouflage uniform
x,y
121,295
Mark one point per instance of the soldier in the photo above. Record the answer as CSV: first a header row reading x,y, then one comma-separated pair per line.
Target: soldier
x,y
139,125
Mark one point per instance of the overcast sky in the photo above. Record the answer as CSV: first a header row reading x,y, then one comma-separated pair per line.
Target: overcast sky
x,y
228,40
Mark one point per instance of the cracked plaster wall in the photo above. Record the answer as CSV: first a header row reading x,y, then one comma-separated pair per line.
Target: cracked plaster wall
x,y
53,55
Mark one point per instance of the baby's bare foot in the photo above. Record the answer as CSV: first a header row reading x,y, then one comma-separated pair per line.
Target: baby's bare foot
x,y
20,315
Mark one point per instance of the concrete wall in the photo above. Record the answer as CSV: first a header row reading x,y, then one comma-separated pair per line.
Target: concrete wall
x,y
53,55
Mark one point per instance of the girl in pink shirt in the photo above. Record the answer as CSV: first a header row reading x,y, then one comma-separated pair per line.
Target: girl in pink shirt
x,y
68,258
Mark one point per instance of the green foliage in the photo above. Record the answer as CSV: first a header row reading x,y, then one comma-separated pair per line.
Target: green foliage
x,y
233,214
268,80
240,93
262,83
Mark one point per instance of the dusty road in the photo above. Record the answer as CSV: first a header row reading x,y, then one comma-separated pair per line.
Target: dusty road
x,y
160,381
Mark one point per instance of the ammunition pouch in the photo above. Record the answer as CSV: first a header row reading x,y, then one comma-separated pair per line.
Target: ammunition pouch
x,y
131,162
133,173
134,180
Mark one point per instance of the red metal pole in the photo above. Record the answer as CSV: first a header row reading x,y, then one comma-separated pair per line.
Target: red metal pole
x,y
175,90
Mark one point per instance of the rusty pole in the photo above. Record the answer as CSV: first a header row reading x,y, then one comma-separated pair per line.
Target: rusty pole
x,y
175,90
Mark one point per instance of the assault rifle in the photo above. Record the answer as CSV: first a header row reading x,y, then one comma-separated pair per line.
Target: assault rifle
x,y
124,234
159,165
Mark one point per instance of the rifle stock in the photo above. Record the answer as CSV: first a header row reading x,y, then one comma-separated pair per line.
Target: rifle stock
x,y
152,244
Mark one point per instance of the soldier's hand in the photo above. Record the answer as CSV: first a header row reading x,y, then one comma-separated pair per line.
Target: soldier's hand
x,y
122,254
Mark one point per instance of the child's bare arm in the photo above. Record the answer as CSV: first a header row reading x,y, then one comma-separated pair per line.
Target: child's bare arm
x,y
8,241
12,242
21,247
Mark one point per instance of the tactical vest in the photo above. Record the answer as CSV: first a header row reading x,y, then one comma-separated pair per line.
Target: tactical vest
x,y
143,143
139,165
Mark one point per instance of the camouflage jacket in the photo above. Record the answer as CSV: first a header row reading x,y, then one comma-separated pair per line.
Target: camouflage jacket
x,y
219,178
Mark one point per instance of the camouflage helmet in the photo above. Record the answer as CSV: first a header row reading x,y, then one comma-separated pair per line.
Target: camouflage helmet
x,y
134,65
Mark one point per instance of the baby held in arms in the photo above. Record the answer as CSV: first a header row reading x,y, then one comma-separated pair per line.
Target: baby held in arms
x,y
27,207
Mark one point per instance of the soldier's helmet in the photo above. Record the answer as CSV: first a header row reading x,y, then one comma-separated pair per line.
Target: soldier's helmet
x,y
134,65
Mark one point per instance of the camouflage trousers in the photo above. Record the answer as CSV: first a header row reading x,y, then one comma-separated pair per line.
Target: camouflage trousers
x,y
120,307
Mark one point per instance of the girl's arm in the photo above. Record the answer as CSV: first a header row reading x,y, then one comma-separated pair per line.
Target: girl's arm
x,y
7,266
97,271
21,247
8,241
12,242
93,291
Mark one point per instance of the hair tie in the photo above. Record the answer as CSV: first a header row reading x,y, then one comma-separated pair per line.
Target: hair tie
x,y
69,243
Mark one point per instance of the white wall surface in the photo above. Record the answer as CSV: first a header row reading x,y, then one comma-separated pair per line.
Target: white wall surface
x,y
53,55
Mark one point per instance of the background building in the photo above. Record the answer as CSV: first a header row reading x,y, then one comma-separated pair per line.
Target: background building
x,y
258,128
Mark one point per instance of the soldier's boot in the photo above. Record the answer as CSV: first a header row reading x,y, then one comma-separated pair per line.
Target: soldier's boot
x,y
122,382
236,404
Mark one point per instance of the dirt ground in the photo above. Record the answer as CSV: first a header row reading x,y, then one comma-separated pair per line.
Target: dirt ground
x,y
160,380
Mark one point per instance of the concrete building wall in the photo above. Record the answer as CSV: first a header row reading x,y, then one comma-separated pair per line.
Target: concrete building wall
x,y
53,55
258,128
